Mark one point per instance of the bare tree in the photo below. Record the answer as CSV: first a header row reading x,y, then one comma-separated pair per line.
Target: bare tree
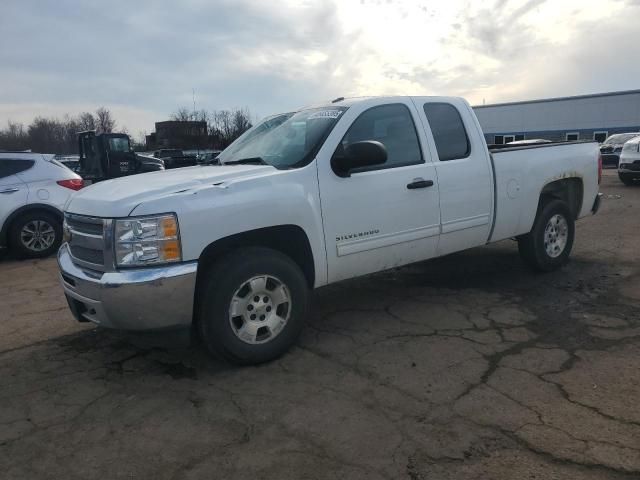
x,y
86,121
15,137
241,119
183,114
53,135
104,121
225,126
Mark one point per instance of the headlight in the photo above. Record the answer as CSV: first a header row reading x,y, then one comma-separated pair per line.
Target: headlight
x,y
66,232
147,240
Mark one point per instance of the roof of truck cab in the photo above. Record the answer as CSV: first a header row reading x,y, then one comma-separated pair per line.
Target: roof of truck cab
x,y
349,101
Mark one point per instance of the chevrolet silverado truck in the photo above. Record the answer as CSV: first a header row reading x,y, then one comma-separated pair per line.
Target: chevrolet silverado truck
x,y
231,252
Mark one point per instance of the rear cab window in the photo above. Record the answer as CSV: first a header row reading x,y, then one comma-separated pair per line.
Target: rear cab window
x,y
449,134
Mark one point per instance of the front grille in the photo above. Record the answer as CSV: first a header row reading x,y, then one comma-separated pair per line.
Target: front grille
x,y
87,254
83,225
87,244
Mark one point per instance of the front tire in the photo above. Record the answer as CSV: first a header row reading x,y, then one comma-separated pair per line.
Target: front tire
x,y
253,304
36,234
548,245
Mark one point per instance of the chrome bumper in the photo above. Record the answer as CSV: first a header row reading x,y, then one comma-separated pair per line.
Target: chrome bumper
x,y
137,299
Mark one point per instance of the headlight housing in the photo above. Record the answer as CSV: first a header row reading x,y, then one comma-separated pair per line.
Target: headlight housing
x,y
140,241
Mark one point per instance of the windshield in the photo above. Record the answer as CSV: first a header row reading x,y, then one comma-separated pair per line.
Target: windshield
x,y
288,140
620,138
119,144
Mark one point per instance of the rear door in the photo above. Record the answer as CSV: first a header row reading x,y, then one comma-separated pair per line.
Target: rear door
x,y
381,216
13,191
463,167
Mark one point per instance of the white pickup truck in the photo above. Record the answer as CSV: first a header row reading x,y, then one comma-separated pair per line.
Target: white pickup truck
x,y
307,198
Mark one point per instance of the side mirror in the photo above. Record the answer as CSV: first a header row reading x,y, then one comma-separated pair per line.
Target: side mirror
x,y
357,155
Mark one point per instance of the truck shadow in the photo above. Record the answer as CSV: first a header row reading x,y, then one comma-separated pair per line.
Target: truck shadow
x,y
490,270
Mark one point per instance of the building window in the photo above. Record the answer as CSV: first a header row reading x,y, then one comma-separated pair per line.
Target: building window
x,y
498,139
509,138
600,136
572,137
519,137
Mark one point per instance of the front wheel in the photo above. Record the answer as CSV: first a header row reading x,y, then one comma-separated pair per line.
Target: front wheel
x,y
36,234
252,305
548,245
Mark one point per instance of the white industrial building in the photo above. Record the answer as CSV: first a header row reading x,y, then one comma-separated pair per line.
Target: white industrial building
x,y
583,117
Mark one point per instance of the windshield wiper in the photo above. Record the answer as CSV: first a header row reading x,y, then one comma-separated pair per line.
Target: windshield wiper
x,y
247,161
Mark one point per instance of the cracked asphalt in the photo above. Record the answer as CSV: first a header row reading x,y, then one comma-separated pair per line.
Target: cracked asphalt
x,y
465,367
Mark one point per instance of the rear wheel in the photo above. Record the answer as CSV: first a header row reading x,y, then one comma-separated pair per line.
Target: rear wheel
x,y
548,245
253,304
36,234
626,179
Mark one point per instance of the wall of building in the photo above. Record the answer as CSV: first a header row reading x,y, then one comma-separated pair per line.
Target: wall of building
x,y
554,118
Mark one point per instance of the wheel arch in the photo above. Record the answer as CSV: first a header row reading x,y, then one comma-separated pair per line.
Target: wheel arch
x,y
32,207
570,190
290,240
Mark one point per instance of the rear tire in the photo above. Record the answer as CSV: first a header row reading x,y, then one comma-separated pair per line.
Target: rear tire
x,y
35,234
626,179
548,245
252,307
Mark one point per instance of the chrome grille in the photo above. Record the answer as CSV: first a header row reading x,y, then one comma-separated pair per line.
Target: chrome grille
x,y
85,224
87,243
87,254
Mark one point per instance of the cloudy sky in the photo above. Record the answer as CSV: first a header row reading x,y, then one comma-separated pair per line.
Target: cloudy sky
x,y
142,58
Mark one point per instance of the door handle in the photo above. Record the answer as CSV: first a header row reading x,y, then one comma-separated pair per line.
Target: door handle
x,y
10,190
420,183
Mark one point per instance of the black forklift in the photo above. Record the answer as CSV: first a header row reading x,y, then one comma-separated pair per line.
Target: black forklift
x,y
109,155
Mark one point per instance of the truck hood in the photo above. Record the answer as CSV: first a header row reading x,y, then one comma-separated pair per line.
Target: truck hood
x,y
118,197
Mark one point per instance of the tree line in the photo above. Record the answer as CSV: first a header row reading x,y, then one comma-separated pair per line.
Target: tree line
x,y
60,135
223,126
54,135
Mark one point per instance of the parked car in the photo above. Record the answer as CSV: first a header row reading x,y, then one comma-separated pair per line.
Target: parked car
x,y
209,157
174,158
629,167
33,191
72,162
612,147
306,199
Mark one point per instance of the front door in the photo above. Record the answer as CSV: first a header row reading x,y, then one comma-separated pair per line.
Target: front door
x,y
383,216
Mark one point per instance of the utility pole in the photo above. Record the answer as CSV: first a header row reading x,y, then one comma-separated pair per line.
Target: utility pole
x,y
193,96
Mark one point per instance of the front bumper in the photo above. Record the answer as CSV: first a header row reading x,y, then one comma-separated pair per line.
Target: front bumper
x,y
142,299
632,168
610,159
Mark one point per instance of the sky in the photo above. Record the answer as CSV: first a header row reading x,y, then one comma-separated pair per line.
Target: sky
x,y
144,59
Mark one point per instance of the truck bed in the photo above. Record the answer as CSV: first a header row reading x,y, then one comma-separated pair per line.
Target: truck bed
x,y
521,172
498,148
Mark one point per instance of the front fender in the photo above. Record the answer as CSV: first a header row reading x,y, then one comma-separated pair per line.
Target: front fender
x,y
211,212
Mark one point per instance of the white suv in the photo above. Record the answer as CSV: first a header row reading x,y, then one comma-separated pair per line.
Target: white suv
x,y
33,192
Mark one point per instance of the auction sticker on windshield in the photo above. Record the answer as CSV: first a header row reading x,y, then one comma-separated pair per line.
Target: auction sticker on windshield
x,y
325,114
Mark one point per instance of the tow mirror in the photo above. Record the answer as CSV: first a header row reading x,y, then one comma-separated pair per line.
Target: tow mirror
x,y
357,155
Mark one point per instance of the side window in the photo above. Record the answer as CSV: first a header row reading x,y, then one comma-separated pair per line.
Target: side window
x,y
392,126
11,167
448,131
